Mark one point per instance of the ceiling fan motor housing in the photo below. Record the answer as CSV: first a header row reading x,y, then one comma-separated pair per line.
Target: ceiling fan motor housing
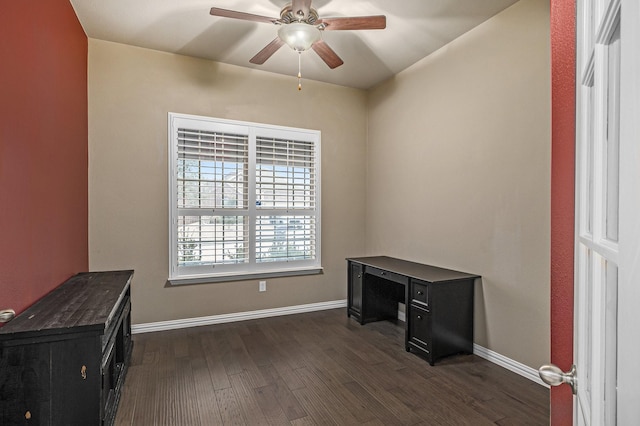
x,y
288,15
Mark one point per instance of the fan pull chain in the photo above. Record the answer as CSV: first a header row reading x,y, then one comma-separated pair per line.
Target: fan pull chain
x,y
299,70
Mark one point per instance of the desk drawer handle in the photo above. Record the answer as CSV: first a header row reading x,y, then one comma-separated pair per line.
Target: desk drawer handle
x,y
383,273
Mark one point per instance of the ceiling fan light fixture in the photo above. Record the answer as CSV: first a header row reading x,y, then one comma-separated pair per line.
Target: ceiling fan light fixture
x,y
299,36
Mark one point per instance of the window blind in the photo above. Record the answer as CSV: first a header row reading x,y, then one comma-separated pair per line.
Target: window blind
x,y
212,169
285,184
212,175
285,174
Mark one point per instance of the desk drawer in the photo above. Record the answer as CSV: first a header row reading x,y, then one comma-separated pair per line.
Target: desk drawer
x,y
419,292
387,275
420,328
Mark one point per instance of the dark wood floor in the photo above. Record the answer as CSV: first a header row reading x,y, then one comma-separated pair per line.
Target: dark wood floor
x,y
317,368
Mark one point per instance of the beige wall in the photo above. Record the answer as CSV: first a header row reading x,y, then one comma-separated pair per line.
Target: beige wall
x,y
459,172
131,90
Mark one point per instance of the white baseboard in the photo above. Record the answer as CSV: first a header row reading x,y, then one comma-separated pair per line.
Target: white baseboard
x,y
239,316
511,365
489,355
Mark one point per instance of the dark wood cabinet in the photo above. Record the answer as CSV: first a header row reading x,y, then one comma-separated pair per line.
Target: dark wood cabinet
x,y
63,360
438,302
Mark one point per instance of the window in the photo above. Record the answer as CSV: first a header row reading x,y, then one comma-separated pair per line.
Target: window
x,y
244,199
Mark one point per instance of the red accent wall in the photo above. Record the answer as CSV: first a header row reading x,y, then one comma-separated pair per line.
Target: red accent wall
x,y
43,149
563,124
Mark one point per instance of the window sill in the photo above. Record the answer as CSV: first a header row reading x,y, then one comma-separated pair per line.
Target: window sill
x,y
206,279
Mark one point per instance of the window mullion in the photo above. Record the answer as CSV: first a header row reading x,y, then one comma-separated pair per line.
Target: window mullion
x,y
252,201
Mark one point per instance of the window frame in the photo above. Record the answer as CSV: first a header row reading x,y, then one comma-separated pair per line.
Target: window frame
x,y
252,269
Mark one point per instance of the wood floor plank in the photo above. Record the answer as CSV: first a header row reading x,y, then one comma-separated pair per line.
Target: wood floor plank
x,y
137,355
292,353
268,402
215,348
339,411
314,406
208,410
359,410
166,405
282,370
247,401
145,410
230,410
184,392
180,343
257,346
304,421
513,410
285,398
372,404
441,410
127,406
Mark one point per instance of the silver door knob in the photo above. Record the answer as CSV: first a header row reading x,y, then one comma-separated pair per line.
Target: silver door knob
x,y
554,376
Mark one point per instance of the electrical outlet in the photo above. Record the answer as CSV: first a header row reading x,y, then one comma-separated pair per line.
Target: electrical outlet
x,y
262,285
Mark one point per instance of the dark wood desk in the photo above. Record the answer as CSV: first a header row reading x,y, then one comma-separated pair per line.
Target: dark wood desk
x,y
439,302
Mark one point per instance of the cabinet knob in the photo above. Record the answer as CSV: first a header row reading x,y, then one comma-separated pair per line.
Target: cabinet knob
x,y
359,275
383,273
83,372
420,293
7,315
419,317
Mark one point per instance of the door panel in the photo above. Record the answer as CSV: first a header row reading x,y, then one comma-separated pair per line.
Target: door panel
x,y
597,211
629,262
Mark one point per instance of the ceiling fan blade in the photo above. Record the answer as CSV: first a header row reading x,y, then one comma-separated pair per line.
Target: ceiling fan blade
x,y
300,8
327,54
266,53
215,11
378,22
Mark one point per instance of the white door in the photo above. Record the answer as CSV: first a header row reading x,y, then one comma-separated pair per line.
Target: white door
x,y
628,412
607,244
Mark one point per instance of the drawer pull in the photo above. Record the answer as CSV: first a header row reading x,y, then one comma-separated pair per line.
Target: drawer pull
x,y
383,273
419,317
359,275
83,372
420,293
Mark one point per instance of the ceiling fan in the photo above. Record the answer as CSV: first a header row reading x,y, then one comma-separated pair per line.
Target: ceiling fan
x,y
300,28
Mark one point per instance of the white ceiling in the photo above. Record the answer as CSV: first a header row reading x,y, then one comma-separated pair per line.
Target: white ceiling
x,y
415,28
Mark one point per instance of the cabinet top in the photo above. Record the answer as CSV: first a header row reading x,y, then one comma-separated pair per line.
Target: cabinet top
x,y
86,301
419,271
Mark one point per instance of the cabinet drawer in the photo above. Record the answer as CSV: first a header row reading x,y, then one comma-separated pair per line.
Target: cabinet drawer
x,y
420,292
420,328
387,275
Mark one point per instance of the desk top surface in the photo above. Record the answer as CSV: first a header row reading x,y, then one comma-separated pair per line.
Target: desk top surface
x,y
85,301
419,271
